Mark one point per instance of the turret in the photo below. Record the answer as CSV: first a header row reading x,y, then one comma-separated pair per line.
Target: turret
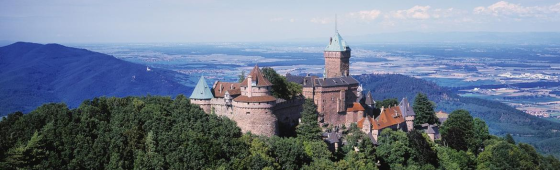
x,y
202,95
408,113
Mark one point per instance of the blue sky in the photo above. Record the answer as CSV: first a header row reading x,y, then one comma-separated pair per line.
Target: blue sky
x,y
89,21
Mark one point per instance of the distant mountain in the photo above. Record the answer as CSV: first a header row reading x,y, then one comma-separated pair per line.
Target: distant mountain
x,y
501,118
34,74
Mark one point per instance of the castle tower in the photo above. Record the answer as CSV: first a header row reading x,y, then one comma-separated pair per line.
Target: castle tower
x,y
408,114
337,57
202,95
253,109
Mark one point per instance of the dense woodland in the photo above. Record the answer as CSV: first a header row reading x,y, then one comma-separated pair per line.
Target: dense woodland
x,y
155,132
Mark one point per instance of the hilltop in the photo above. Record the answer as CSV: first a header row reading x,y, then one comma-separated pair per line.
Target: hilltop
x,y
33,74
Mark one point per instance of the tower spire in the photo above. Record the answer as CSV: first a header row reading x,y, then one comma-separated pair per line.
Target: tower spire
x,y
335,24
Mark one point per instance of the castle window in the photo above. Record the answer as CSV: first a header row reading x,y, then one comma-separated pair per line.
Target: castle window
x,y
248,113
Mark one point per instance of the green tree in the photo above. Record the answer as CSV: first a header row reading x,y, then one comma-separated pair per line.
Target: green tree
x,y
394,148
457,130
421,149
387,103
308,129
289,152
424,110
28,156
241,76
281,88
452,159
480,130
503,155
149,158
509,139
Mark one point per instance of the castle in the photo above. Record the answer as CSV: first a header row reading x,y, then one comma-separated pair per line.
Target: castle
x,y
336,94
248,103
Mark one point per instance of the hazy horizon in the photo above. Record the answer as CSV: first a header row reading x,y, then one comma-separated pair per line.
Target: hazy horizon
x,y
64,21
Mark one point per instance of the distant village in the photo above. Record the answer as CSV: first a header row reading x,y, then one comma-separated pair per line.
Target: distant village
x,y
337,95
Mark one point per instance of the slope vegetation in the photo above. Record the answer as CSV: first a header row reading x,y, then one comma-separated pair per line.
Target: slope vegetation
x,y
32,74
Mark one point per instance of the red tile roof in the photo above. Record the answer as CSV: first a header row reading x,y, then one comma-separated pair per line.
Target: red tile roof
x,y
254,99
388,117
356,107
256,75
234,89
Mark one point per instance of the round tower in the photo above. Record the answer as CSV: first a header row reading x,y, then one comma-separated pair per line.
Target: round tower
x,y
253,109
202,95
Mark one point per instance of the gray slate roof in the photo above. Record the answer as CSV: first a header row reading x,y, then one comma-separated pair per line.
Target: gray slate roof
x,y
369,99
337,81
333,137
305,81
405,108
432,129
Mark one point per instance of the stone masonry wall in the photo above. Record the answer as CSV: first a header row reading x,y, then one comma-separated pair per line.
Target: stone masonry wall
x,y
327,100
204,104
289,112
337,64
255,118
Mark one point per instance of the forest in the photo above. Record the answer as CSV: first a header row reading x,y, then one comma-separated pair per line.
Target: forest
x,y
155,132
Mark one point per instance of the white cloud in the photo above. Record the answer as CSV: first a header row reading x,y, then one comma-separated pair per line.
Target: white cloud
x,y
416,12
505,9
366,15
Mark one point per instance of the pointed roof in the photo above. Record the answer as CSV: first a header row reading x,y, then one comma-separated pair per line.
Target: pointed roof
x,y
369,99
388,117
432,129
257,78
201,91
337,43
405,108
355,107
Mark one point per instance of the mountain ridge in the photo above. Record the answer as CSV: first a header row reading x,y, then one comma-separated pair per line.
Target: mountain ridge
x,y
33,74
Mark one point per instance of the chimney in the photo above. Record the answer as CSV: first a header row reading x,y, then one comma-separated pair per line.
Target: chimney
x,y
249,86
330,41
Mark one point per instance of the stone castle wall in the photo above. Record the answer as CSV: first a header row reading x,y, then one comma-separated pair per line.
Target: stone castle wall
x,y
204,104
221,109
255,118
307,92
256,91
337,64
289,112
353,117
333,101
